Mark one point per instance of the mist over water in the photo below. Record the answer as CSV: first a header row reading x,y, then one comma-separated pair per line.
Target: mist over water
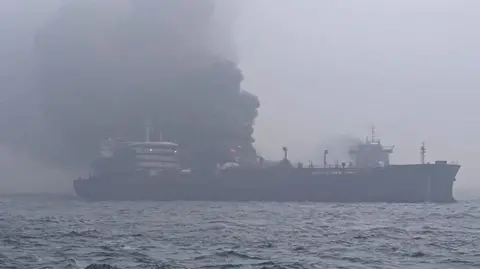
x,y
20,119
21,173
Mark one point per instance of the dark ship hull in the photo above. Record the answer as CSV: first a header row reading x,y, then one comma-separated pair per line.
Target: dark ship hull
x,y
413,183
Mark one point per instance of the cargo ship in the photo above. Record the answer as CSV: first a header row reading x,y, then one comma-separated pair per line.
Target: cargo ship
x,y
153,171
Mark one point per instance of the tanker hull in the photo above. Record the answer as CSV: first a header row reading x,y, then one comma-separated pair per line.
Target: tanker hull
x,y
394,183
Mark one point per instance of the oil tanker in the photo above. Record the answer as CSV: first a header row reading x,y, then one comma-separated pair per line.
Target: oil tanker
x,y
153,171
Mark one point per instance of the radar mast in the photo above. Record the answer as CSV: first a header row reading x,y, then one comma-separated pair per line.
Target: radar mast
x,y
423,151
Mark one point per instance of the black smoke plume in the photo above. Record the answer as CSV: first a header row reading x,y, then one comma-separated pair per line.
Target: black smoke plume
x,y
108,67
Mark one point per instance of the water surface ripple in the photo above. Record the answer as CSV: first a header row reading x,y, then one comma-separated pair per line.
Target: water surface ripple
x,y
57,232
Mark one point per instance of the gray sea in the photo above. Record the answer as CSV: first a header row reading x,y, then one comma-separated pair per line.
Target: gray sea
x,y
66,232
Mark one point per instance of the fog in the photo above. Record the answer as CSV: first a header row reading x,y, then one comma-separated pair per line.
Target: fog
x,y
321,70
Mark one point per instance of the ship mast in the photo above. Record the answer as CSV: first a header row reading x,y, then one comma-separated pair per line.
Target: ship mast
x,y
423,150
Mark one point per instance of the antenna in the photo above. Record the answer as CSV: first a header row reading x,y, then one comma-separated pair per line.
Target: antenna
x,y
423,150
325,153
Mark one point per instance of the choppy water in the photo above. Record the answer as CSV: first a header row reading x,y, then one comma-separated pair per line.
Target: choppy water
x,y
48,232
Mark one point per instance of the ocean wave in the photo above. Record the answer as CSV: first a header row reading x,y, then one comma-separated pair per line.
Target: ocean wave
x,y
74,235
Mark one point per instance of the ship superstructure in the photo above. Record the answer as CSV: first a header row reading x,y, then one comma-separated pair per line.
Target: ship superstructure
x,y
141,157
371,154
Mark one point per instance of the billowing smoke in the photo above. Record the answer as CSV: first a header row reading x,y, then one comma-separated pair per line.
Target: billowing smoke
x,y
106,68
